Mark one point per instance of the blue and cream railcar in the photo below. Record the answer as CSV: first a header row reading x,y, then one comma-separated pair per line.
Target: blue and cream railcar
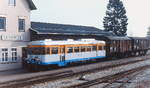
x,y
60,53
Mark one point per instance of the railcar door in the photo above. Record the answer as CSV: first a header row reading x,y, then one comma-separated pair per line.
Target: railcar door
x,y
62,54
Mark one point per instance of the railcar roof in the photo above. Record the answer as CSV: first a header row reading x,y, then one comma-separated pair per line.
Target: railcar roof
x,y
64,42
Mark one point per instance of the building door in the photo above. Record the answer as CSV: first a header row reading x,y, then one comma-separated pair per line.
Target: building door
x,y
24,53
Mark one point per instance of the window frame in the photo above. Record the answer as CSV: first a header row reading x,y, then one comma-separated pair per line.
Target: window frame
x,y
19,25
4,19
4,55
12,2
14,54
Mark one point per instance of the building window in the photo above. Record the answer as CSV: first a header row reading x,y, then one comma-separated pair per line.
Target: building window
x,y
21,25
2,23
12,2
4,55
14,54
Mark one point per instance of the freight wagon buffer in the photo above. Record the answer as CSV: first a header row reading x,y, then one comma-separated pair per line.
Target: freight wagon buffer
x,y
61,53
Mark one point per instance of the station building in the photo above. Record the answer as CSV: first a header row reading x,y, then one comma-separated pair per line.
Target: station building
x,y
16,31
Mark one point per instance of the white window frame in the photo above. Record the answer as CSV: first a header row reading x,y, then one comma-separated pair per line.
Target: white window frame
x,y
24,24
12,2
4,55
3,29
14,54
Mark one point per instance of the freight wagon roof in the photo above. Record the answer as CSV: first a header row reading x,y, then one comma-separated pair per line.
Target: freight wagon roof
x,y
51,28
137,38
118,38
65,42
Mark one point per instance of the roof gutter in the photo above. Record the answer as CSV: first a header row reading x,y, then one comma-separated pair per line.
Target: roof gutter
x,y
31,5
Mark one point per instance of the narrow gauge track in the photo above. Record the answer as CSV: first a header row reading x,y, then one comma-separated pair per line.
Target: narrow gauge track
x,y
60,75
110,78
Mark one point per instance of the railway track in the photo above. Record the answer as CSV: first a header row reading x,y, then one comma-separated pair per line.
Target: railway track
x,y
110,78
60,75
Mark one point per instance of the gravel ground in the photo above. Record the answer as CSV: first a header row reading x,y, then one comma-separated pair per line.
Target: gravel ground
x,y
72,81
140,81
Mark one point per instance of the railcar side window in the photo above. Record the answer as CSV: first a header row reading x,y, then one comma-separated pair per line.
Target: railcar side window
x,y
47,50
88,48
54,50
104,48
70,49
100,47
41,50
76,49
83,49
34,51
62,50
93,48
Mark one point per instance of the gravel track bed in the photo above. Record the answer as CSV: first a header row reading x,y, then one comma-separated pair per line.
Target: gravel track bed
x,y
140,81
72,81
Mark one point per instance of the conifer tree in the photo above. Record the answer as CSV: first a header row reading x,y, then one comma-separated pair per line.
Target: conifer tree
x,y
116,19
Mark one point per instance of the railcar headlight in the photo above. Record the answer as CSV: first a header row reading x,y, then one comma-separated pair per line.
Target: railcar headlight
x,y
36,59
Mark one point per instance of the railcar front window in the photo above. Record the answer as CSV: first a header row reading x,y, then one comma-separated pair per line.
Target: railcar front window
x,y
29,50
42,51
36,51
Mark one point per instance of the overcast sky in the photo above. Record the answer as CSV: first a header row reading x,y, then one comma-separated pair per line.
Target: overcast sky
x,y
91,13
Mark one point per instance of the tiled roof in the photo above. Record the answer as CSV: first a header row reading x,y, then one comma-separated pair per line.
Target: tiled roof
x,y
51,28
31,5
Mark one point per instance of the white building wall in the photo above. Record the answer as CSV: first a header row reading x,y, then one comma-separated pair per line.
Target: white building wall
x,y
12,38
